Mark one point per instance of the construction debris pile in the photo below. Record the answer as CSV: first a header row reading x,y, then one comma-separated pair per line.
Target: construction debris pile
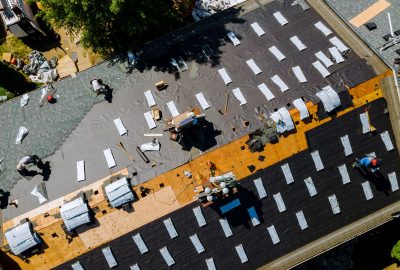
x,y
205,8
39,69
216,188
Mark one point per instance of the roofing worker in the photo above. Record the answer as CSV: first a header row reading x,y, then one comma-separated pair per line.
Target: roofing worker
x,y
32,159
368,162
98,86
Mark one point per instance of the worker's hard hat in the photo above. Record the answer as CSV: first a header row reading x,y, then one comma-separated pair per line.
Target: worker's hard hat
x,y
374,162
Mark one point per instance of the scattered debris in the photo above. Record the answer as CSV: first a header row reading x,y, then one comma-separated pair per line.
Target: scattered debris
x,y
120,145
22,132
205,8
154,145
24,100
39,69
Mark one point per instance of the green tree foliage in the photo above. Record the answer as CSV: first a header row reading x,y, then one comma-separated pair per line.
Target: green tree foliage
x,y
109,26
395,253
13,83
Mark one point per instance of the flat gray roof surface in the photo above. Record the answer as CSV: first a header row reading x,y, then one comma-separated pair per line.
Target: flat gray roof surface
x,y
79,127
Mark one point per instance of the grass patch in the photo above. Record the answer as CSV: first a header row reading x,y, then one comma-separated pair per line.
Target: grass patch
x,y
15,46
13,82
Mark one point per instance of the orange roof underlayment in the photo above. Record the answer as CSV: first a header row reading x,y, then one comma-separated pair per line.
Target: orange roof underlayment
x,y
169,191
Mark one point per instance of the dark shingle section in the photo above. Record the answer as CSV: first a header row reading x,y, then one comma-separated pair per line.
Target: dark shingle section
x,y
256,240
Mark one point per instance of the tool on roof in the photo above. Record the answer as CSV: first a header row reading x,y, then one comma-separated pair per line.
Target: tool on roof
x,y
226,103
120,145
371,127
142,155
161,85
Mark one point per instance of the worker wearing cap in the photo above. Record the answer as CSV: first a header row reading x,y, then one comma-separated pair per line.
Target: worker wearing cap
x,y
21,166
98,87
368,162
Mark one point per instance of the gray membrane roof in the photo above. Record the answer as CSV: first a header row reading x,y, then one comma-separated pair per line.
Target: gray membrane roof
x,y
72,129
256,240
349,9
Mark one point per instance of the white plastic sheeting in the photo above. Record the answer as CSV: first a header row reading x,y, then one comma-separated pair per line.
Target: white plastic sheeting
x,y
273,234
199,216
197,244
330,99
279,202
137,238
277,53
325,30
253,66
299,74
338,44
283,120
109,158
310,186
334,204
22,132
344,173
224,75
336,55
297,42
279,17
150,98
317,160
302,108
203,102
387,141
149,119
167,256
233,38
111,261
80,170
367,190
241,253
225,227
324,59
260,188
20,238
75,213
257,28
346,145
301,219
172,108
265,90
288,174
120,126
393,181
280,83
239,96
119,192
321,69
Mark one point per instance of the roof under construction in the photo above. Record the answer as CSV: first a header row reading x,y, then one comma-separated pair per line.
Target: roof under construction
x,y
77,131
357,196
281,61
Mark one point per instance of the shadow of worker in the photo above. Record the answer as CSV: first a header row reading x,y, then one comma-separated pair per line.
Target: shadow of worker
x,y
380,182
46,170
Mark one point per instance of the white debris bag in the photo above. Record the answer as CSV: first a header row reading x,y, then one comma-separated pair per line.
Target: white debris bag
x,y
22,132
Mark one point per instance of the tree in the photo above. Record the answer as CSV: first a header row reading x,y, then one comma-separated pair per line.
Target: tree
x,y
395,253
110,26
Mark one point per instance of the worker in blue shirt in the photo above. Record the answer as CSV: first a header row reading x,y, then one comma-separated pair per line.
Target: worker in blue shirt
x,y
368,162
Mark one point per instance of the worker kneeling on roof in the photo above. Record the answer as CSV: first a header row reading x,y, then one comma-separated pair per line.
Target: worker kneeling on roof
x,y
98,86
368,161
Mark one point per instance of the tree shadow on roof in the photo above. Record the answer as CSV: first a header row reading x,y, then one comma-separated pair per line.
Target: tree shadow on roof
x,y
199,42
